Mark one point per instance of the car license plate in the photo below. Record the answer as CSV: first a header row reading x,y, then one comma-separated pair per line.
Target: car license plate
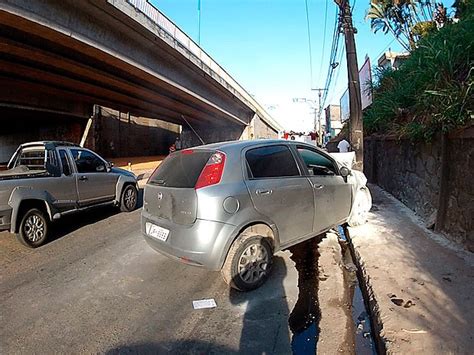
x,y
156,231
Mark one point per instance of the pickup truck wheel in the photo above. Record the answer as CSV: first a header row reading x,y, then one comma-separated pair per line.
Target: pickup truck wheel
x,y
248,263
128,201
34,228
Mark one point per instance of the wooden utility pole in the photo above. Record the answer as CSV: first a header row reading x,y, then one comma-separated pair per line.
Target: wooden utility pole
x,y
356,129
320,127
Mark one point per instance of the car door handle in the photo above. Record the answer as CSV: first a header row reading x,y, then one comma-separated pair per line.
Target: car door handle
x,y
83,178
263,192
318,187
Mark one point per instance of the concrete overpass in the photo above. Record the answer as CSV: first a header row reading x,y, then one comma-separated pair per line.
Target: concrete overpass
x,y
61,57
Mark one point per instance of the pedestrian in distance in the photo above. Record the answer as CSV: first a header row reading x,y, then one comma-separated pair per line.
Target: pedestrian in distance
x,y
178,144
343,146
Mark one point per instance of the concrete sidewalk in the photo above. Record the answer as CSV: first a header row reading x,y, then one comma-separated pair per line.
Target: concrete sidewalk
x,y
142,167
420,285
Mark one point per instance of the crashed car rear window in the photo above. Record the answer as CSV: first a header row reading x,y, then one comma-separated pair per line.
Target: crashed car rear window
x,y
181,169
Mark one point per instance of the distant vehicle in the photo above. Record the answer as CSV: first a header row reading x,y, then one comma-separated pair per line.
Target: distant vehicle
x,y
47,180
230,206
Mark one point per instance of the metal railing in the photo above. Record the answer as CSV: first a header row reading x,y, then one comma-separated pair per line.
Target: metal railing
x,y
185,41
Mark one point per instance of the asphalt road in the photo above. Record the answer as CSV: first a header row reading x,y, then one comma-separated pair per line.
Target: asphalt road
x,y
99,288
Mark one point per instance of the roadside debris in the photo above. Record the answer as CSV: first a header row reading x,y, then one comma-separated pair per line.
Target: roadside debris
x,y
205,303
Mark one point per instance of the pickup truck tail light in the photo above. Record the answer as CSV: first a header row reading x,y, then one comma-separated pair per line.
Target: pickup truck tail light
x,y
211,174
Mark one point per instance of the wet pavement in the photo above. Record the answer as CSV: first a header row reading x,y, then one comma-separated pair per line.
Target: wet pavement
x,y
304,320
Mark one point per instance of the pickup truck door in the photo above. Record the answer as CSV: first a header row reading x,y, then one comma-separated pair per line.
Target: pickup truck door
x,y
95,184
332,194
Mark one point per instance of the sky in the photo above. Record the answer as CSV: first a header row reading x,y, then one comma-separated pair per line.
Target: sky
x,y
263,45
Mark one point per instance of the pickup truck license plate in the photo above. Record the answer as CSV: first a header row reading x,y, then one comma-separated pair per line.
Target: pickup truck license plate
x,y
156,231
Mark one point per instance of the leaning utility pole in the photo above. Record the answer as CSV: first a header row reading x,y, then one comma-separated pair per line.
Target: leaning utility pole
x,y
356,129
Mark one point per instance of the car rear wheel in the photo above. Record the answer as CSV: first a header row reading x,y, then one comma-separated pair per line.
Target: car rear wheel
x,y
248,263
34,228
129,199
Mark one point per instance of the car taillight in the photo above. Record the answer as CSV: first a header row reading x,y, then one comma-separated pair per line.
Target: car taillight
x,y
212,172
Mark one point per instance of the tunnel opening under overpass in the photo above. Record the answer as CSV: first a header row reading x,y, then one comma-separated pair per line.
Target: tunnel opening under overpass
x,y
60,59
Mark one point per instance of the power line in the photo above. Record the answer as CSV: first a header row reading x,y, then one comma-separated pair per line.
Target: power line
x,y
332,59
309,45
338,70
324,40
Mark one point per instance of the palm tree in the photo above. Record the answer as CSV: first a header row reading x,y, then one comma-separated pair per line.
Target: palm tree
x,y
406,20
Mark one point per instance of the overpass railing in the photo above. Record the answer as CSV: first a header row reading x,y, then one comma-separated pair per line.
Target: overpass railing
x,y
184,40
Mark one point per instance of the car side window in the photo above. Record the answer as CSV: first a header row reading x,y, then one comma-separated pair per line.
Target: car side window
x,y
316,163
87,162
271,161
65,162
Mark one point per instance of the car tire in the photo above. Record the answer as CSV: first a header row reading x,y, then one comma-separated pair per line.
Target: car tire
x,y
129,199
34,228
361,208
248,263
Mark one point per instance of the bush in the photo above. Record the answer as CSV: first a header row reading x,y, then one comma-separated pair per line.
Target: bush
x,y
432,91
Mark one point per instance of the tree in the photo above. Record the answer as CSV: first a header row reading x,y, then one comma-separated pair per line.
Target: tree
x,y
406,20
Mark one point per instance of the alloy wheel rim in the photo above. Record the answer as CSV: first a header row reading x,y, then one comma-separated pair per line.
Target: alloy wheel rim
x,y
253,263
130,198
34,228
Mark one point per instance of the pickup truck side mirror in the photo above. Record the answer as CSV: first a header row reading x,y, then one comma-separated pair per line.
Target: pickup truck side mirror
x,y
108,166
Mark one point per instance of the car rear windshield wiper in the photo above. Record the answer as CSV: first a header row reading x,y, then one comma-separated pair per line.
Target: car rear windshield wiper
x,y
158,182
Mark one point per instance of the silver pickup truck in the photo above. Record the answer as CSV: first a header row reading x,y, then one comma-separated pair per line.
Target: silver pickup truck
x,y
47,180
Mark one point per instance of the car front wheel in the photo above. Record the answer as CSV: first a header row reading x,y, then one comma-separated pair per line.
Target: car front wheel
x,y
248,263
34,228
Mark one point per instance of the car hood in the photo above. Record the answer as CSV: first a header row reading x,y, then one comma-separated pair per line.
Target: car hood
x,y
123,172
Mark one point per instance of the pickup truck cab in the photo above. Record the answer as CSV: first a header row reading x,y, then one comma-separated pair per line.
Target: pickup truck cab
x,y
47,180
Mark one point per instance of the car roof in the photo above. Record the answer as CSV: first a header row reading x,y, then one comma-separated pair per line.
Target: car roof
x,y
250,143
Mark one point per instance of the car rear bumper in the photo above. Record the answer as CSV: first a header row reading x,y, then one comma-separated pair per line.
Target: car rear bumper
x,y
201,244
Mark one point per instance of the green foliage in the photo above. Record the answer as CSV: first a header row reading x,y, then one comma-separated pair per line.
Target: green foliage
x,y
407,20
432,91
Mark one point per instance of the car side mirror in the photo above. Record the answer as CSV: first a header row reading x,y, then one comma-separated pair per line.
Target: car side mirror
x,y
109,166
100,168
345,172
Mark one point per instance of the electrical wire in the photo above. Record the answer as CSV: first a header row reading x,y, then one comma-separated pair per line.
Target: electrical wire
x,y
309,45
332,59
324,40
338,70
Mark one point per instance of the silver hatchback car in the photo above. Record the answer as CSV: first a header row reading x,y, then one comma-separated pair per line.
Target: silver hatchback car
x,y
230,206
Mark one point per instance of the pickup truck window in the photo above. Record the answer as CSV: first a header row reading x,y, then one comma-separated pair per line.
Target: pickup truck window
x,y
87,162
32,158
65,162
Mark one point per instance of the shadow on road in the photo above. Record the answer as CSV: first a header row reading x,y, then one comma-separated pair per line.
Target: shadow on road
x,y
264,325
72,222
190,346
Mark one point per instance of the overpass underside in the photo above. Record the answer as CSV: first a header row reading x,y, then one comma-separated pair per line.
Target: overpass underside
x,y
64,57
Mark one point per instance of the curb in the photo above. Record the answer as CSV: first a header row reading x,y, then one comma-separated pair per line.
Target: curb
x,y
369,298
